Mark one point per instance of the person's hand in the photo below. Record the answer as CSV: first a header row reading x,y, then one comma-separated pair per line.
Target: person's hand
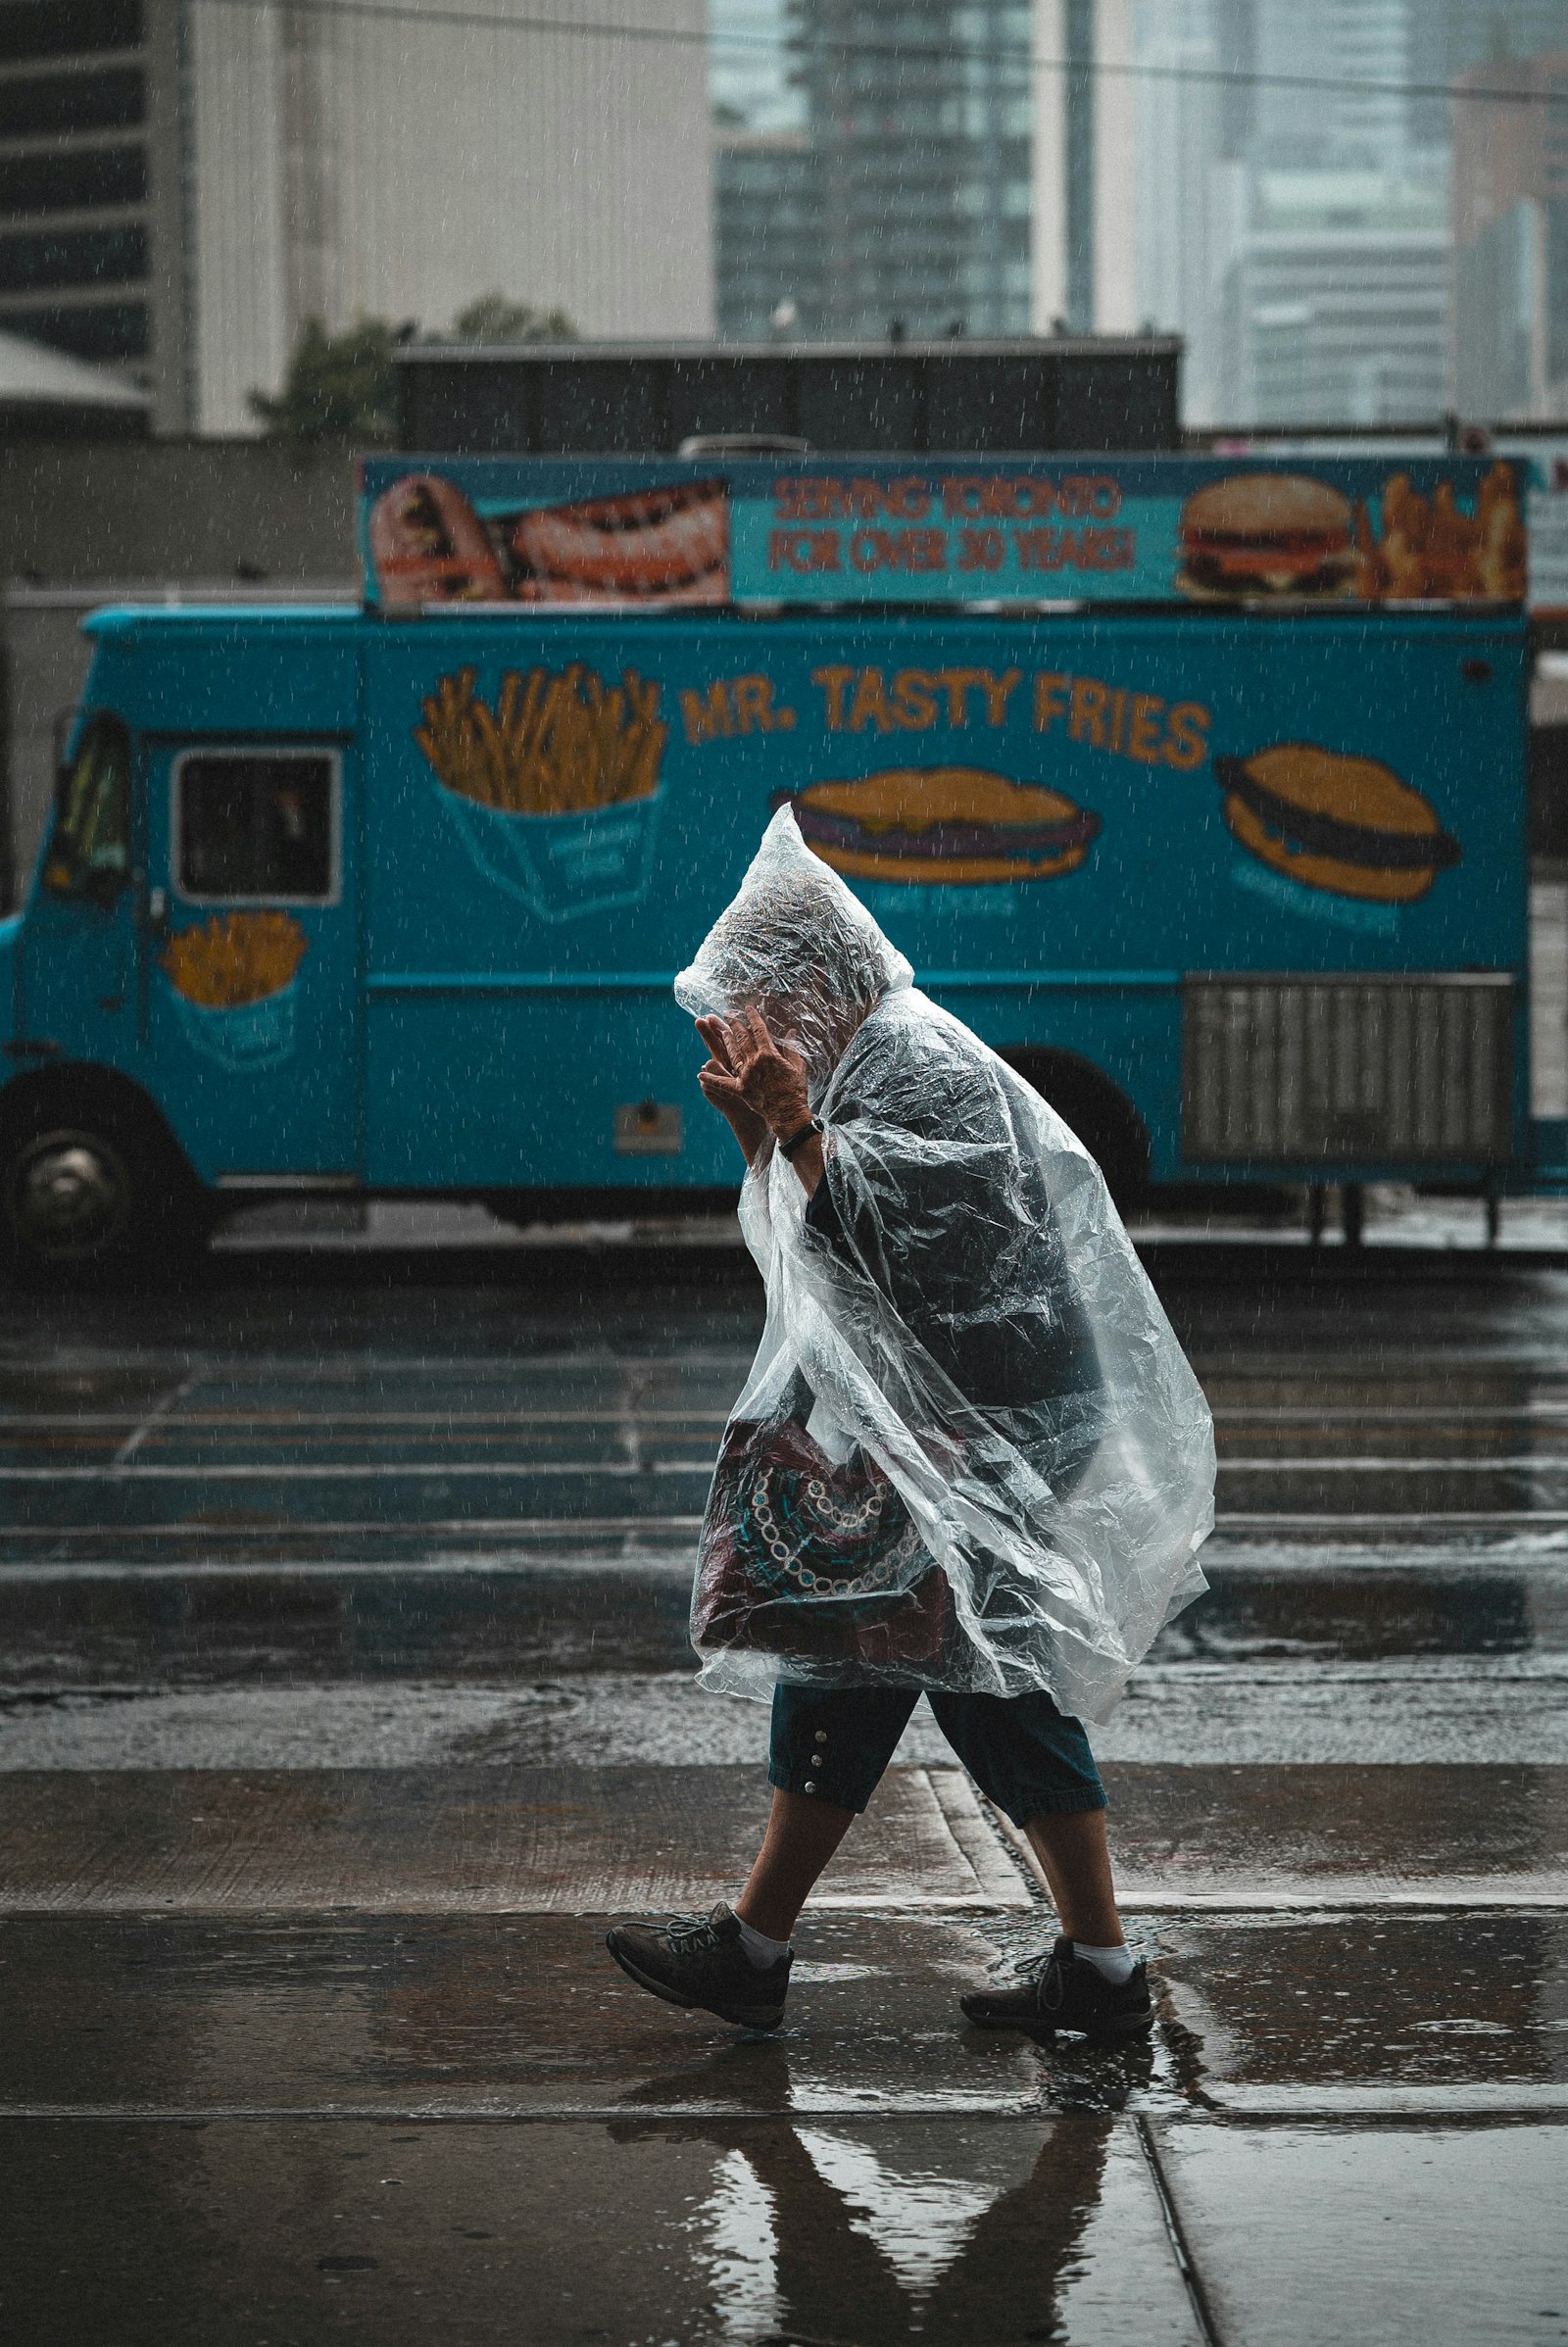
x,y
721,1090
760,1085
767,1076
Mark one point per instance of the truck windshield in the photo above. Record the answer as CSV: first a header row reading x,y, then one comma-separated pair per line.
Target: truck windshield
x,y
89,848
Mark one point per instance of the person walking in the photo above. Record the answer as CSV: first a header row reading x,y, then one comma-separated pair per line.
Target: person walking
x,y
970,1458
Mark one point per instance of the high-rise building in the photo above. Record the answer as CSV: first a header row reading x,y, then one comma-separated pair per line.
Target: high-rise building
x,y
919,120
1271,181
1361,49
1330,241
927,165
1510,354
1449,36
1312,284
184,182
767,235
92,188
1085,167
768,242
1180,136
1335,301
750,77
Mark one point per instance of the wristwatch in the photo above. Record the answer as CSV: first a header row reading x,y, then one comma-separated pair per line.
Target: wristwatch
x,y
798,1140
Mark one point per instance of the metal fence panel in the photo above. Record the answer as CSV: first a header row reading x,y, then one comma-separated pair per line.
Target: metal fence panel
x,y
1116,394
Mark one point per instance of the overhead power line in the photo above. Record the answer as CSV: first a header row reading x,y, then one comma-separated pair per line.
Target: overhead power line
x,y
1020,54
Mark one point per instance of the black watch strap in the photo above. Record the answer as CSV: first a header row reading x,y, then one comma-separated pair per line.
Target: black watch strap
x,y
797,1140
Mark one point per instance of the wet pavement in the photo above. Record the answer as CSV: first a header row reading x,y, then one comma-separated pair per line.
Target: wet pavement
x,y
344,1695
726,2230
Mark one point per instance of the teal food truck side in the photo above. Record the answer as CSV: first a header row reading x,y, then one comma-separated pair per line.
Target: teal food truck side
x,y
386,905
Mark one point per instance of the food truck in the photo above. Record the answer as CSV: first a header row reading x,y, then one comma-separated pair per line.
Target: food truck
x,y
1197,787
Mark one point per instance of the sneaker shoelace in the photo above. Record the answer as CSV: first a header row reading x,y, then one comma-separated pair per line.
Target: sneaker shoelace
x,y
1044,1973
691,1932
1050,1975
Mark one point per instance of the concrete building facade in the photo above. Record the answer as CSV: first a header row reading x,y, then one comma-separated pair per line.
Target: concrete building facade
x,y
202,177
345,167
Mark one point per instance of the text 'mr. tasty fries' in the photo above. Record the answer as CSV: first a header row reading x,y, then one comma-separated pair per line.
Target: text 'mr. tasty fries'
x,y
236,958
553,745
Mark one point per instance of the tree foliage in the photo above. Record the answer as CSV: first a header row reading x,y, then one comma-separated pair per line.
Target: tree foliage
x,y
338,387
492,317
343,387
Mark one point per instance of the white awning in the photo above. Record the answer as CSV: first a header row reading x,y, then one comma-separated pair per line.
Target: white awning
x,y
33,376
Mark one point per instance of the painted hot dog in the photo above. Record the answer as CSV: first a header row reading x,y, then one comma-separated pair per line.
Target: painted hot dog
x,y
671,544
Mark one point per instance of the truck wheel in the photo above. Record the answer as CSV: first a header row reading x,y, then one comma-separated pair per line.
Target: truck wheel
x,y
1102,1117
85,1192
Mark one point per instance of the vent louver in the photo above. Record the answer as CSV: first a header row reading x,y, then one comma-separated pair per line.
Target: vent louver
x,y
1285,1070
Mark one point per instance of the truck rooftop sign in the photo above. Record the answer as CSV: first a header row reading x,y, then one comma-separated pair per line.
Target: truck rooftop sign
x,y
655,533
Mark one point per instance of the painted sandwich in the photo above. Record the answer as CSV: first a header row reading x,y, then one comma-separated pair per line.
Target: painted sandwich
x,y
951,825
428,545
1344,824
1267,533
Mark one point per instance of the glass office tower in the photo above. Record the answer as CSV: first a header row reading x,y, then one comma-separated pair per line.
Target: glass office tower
x,y
883,183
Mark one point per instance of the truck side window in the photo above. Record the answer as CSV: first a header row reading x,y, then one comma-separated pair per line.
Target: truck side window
x,y
89,848
252,825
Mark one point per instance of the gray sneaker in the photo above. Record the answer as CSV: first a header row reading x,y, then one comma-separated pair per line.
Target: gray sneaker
x,y
1065,1992
699,1960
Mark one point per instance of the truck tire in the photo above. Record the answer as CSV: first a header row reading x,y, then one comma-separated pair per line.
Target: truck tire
x,y
90,1188
1102,1117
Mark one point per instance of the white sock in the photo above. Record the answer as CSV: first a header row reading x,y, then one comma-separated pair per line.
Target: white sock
x,y
1114,1964
761,1950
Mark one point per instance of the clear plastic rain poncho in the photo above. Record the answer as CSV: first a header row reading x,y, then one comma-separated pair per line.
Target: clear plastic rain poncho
x,y
971,1453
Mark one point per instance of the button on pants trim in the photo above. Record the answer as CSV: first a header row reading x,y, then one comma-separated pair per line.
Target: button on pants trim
x,y
1026,1756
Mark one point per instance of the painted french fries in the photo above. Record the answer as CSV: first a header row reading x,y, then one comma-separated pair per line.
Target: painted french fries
x,y
234,958
552,744
1430,550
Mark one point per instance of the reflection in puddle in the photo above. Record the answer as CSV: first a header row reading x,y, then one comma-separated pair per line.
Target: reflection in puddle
x,y
917,2217
739,2223
909,2229
812,1975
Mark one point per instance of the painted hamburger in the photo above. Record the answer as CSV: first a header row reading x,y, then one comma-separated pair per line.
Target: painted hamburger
x,y
949,824
1267,533
1344,824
